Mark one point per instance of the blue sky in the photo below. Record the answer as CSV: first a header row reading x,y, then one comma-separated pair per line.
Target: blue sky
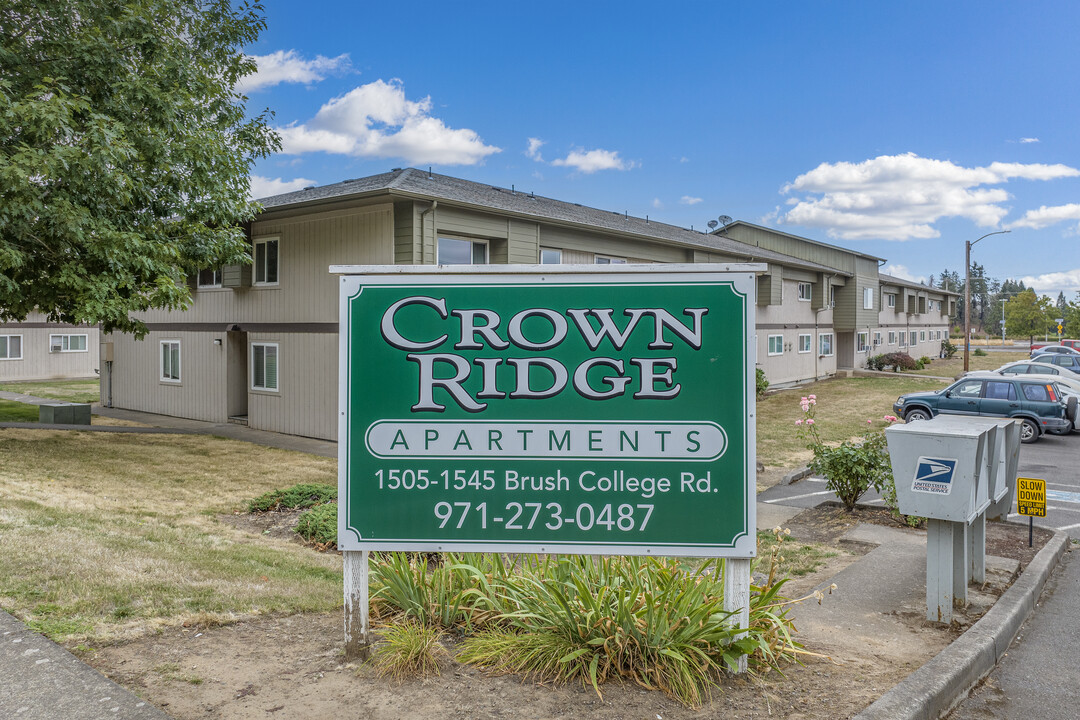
x,y
896,129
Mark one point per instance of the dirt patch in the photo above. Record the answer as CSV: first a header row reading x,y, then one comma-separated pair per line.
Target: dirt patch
x,y
293,666
280,524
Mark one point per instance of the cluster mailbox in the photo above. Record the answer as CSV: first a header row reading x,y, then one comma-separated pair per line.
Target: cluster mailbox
x,y
955,471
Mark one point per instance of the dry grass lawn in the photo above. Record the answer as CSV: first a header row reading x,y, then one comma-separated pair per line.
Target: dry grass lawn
x,y
80,391
844,406
112,536
955,365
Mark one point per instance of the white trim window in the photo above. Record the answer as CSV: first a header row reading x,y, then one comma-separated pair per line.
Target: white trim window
x,y
264,366
266,261
11,347
877,338
922,336
913,340
776,345
860,341
806,343
67,343
892,337
550,256
806,291
868,298
170,361
609,260
890,300
210,278
825,344
459,251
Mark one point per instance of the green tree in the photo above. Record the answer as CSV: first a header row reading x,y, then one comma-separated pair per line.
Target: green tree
x,y
1072,318
1026,314
124,153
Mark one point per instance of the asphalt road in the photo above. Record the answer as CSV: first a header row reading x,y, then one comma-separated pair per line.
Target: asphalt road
x,y
1054,458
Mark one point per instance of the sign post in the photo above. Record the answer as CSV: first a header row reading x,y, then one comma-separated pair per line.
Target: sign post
x,y
1031,501
547,409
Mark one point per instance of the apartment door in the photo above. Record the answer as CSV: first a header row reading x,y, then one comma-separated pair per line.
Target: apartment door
x,y
237,375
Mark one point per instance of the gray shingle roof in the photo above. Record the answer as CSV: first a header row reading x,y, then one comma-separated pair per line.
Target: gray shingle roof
x,y
410,182
892,280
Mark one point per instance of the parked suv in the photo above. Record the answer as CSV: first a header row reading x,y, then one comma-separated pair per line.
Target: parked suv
x,y
1037,404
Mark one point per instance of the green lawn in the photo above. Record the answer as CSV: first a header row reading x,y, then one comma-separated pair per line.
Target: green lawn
x,y
11,411
80,391
843,407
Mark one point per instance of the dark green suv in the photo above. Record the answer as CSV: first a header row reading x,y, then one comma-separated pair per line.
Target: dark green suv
x,y
1037,404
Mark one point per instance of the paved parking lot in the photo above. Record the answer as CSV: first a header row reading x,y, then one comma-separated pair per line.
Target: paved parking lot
x,y
1055,459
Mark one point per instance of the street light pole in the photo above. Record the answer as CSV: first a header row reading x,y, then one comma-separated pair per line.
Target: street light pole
x,y
967,294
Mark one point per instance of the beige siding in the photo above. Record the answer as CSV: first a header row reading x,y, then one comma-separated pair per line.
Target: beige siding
x,y
38,362
306,400
201,392
789,320
306,292
595,243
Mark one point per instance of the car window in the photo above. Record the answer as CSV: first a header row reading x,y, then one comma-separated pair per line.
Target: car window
x,y
1061,360
1014,370
1000,391
969,389
1038,393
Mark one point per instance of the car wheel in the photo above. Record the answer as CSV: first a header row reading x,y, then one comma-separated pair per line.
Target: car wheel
x,y
1029,431
916,414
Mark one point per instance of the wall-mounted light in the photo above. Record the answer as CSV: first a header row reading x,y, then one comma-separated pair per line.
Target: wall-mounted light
x,y
217,341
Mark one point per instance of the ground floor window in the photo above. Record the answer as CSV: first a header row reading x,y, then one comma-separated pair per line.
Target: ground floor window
x,y
922,336
170,361
805,344
877,338
914,339
776,344
67,343
264,366
892,337
10,347
860,342
825,344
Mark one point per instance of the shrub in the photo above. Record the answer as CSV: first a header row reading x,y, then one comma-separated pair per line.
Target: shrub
x,y
854,466
900,361
979,352
925,360
409,650
888,496
296,497
762,382
876,362
948,349
319,525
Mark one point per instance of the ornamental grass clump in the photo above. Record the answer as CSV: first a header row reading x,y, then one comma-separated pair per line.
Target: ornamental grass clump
x,y
853,467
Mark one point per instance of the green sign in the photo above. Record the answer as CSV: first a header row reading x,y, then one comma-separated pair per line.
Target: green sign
x,y
516,410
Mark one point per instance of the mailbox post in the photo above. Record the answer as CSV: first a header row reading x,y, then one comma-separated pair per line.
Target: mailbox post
x,y
940,467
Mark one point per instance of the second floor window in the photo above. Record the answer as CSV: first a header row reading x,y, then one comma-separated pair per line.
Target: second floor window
x,y
805,291
266,262
550,256
455,251
210,278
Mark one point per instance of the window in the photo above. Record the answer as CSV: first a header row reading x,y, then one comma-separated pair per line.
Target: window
x,y
266,262
776,344
805,291
805,343
913,339
825,344
860,342
997,390
1037,393
922,336
868,298
890,300
67,343
877,338
903,339
605,260
970,389
455,251
264,366
10,347
210,278
832,296
892,337
170,361
549,256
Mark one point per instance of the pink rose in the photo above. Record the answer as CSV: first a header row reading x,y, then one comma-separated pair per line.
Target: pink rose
x,y
812,397
810,421
798,422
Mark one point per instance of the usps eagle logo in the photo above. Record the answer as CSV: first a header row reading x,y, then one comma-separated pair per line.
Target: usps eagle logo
x,y
934,475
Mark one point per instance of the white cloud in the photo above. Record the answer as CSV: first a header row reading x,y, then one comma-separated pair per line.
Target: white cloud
x,y
903,273
684,159
590,161
285,66
1025,141
1053,283
657,203
899,197
263,187
377,120
1046,216
533,151
687,200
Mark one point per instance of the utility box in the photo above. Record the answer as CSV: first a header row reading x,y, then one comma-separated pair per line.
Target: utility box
x,y
64,414
940,468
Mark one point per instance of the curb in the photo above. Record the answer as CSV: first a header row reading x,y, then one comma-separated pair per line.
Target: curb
x,y
939,685
795,475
